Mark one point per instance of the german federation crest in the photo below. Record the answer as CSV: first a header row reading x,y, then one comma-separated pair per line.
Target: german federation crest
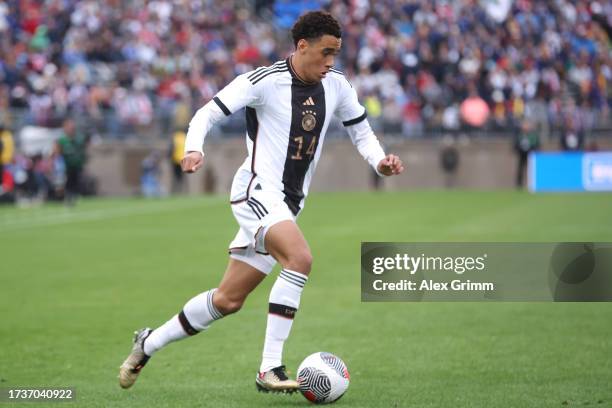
x,y
309,121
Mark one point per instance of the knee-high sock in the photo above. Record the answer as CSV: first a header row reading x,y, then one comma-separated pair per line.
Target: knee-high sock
x,y
197,315
284,302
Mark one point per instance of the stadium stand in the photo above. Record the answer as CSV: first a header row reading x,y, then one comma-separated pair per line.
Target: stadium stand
x,y
142,67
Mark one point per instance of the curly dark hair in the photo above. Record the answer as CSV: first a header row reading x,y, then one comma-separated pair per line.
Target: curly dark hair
x,y
315,24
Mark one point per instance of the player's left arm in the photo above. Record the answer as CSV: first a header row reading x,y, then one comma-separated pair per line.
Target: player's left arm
x,y
354,119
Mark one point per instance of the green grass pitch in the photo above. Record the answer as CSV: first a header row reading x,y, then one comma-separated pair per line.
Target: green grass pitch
x,y
75,283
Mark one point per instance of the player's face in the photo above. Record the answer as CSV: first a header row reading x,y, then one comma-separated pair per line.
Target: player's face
x,y
318,56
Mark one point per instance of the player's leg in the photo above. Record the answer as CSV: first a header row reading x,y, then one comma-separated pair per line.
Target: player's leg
x,y
197,315
70,186
238,282
286,243
202,310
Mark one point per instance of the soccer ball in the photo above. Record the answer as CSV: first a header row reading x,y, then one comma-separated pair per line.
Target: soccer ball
x,y
323,378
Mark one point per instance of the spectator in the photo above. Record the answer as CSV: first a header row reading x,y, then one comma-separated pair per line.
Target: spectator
x,y
176,151
72,146
572,137
150,185
7,150
526,141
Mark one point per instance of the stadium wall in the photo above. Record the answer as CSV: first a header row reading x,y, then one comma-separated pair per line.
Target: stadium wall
x,y
483,164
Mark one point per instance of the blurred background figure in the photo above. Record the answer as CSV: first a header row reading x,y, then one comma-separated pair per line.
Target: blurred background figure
x,y
527,140
176,151
150,185
572,136
7,152
71,147
449,160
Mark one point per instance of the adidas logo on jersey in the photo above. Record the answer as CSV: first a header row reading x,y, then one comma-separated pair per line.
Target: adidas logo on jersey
x,y
309,101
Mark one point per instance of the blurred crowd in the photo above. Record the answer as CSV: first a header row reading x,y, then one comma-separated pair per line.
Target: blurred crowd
x,y
434,63
120,66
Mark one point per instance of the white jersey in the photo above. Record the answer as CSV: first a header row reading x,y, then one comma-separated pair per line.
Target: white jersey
x,y
286,121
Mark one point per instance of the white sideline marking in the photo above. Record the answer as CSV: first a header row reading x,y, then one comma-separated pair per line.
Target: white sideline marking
x,y
35,219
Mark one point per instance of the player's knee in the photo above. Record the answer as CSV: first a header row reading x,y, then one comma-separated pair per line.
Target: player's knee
x,y
226,304
300,261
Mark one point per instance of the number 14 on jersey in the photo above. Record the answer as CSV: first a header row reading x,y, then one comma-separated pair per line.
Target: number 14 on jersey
x,y
300,145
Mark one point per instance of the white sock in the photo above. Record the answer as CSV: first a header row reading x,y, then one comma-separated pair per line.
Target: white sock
x,y
197,315
284,302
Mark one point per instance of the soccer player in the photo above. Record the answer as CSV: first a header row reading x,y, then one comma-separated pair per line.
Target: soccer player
x,y
289,106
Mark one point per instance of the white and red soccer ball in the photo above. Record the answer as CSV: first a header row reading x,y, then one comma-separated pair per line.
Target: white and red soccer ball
x,y
323,378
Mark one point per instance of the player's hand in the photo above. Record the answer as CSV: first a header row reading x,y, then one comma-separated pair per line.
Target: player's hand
x,y
192,162
390,165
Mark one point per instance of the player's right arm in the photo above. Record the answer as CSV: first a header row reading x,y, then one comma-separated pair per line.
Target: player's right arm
x,y
236,95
